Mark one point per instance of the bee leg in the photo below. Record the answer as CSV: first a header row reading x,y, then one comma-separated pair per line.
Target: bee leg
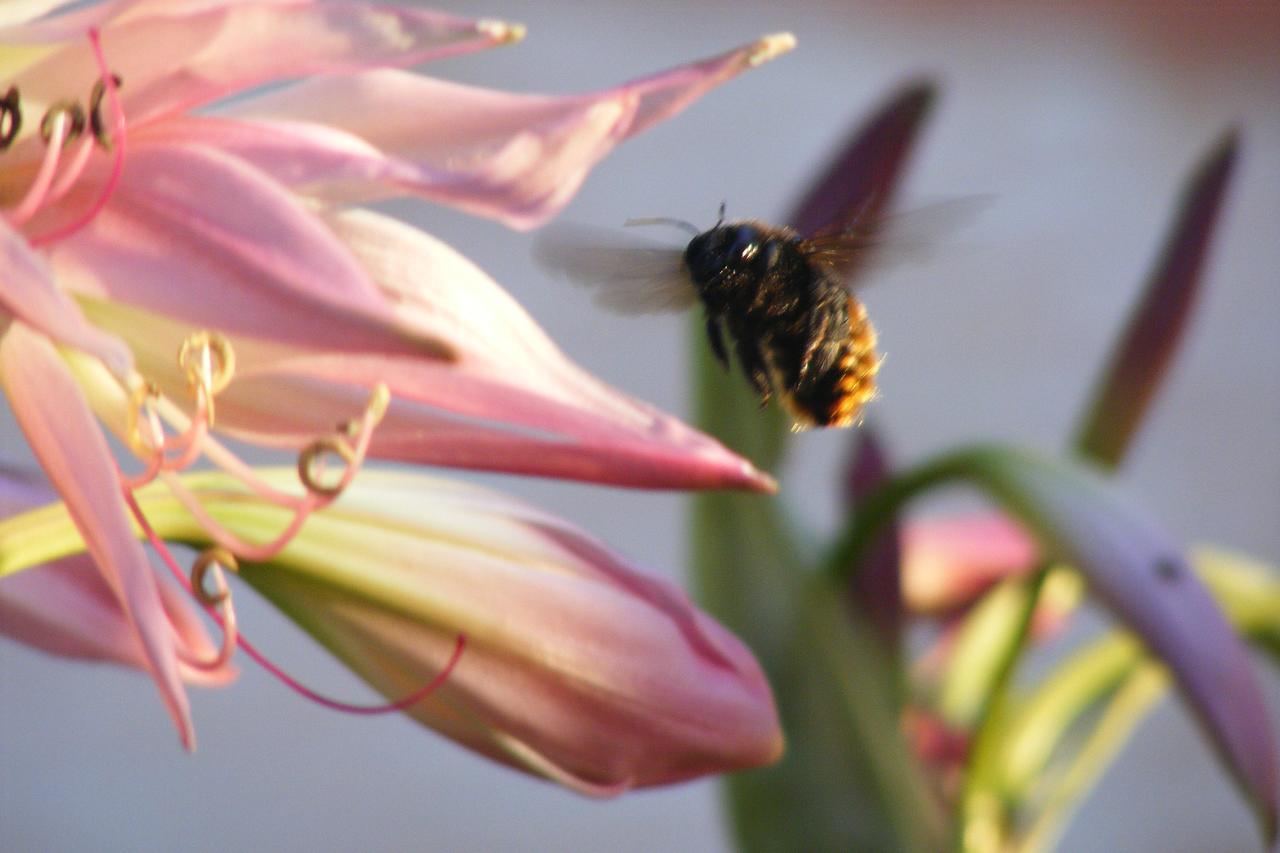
x,y
819,321
716,335
752,361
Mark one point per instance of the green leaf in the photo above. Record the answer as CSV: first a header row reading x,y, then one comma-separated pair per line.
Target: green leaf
x,y
1135,570
989,637
1114,683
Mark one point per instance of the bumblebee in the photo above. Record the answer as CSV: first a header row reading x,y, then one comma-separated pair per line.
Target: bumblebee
x,y
798,333
797,330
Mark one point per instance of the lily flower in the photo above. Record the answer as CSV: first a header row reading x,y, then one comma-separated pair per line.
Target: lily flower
x,y
131,226
576,666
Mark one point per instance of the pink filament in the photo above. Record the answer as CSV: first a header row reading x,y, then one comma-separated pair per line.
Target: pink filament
x,y
266,663
230,635
159,460
117,164
301,507
39,188
73,170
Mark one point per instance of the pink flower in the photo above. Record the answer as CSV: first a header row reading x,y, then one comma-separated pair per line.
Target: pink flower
x,y
948,563
132,226
577,667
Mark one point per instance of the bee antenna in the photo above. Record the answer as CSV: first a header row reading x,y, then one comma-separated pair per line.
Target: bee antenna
x,y
665,220
720,220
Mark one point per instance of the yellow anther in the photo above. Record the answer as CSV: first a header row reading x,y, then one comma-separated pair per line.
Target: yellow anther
x,y
312,462
379,400
214,559
141,398
208,361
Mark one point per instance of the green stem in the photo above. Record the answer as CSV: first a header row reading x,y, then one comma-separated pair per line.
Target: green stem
x,y
982,819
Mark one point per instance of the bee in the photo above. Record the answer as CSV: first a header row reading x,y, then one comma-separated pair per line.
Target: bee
x,y
798,332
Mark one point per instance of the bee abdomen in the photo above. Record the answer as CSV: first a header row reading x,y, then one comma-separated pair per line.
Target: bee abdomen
x,y
859,364
836,398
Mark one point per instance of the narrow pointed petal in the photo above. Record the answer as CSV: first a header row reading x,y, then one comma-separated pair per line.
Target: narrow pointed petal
x,y
509,400
28,292
515,158
66,440
178,59
200,237
862,178
1157,325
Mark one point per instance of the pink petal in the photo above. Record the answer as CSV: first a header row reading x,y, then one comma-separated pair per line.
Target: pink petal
x,y
200,237
28,292
66,608
515,158
511,401
949,562
70,447
576,666
177,59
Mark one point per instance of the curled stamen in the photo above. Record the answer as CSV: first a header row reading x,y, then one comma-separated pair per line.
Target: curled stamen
x,y
212,559
311,462
207,359
312,465
141,399
144,433
10,117
96,124
69,110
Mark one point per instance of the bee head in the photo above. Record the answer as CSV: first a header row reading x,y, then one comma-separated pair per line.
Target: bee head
x,y
734,247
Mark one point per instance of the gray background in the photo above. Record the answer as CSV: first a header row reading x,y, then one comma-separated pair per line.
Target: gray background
x,y
1081,122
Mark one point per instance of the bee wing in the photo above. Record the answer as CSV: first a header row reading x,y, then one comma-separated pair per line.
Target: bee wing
x,y
630,275
911,236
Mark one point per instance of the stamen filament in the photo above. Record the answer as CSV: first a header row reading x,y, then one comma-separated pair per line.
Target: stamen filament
x,y
35,195
72,172
266,663
221,600
117,165
259,553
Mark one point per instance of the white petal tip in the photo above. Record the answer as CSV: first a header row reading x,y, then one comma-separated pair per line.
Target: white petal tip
x,y
770,47
502,32
759,479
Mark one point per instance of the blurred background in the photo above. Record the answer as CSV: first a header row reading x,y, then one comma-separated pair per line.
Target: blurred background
x,y
1082,121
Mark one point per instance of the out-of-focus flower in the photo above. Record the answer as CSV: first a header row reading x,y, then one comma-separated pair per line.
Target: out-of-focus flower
x,y
949,562
131,227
